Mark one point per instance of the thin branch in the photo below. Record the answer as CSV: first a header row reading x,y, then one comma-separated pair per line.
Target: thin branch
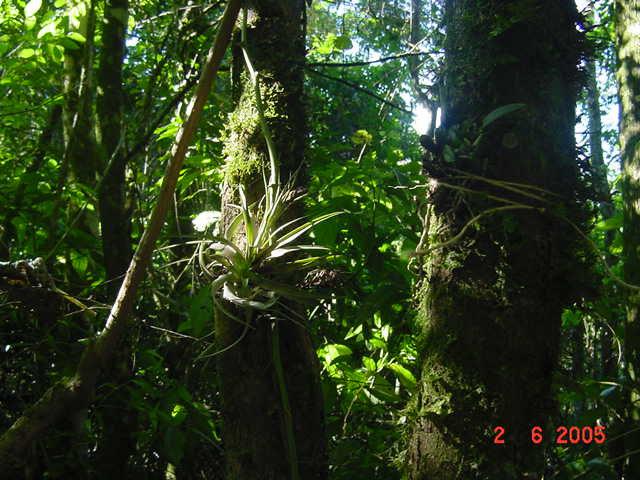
x,y
357,87
363,63
146,138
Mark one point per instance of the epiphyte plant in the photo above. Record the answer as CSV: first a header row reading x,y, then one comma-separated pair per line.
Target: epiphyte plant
x,y
237,260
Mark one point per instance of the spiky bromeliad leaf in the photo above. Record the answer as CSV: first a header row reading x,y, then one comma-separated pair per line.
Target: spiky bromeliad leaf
x,y
290,236
247,218
229,295
280,252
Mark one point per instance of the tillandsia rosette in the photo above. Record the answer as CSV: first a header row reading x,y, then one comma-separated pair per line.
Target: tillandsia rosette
x,y
245,273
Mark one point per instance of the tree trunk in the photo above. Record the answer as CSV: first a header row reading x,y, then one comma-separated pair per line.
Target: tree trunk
x,y
491,298
118,419
80,151
254,420
628,46
603,192
116,241
608,361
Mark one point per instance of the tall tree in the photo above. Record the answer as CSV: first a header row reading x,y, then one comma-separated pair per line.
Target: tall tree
x,y
500,251
80,150
116,242
117,418
258,420
628,47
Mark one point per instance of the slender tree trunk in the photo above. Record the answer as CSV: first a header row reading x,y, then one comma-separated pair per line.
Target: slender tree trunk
x,y
628,46
254,433
117,417
114,219
603,192
608,364
491,299
80,157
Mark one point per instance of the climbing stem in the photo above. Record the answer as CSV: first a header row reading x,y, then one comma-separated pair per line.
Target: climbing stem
x,y
274,174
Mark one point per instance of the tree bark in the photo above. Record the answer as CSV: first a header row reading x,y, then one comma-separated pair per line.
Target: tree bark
x,y
116,242
491,299
627,14
73,394
118,420
254,418
80,157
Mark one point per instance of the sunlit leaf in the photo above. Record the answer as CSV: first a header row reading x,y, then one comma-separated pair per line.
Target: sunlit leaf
x,y
32,7
26,53
405,377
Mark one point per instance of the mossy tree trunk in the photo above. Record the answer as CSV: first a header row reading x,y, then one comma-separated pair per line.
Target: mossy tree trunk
x,y
491,301
254,420
114,220
628,46
117,418
80,157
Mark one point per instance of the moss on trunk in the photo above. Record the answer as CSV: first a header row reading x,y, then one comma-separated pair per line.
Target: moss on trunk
x,y
628,45
490,303
254,420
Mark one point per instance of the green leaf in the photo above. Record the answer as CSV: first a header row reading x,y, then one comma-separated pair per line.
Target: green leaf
x,y
405,377
343,42
77,37
369,364
501,112
30,22
80,262
383,391
49,29
178,414
332,351
353,332
361,137
31,8
247,217
280,252
26,53
302,229
570,318
613,223
229,295
67,43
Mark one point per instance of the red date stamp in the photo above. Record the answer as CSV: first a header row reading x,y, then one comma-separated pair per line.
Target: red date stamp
x,y
563,435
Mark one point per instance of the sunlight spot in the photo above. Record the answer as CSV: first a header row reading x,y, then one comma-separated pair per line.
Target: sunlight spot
x,y
421,119
634,30
204,220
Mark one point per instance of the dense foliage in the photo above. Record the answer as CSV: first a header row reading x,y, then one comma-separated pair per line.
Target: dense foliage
x,y
369,69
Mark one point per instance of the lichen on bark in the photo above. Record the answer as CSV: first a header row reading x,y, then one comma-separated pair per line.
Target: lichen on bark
x,y
490,303
254,417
